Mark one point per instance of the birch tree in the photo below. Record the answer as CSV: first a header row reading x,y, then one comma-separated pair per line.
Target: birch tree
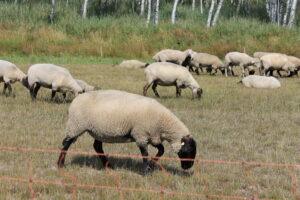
x,y
156,12
149,12
52,13
217,13
212,5
142,7
201,7
173,16
84,8
193,5
292,13
287,10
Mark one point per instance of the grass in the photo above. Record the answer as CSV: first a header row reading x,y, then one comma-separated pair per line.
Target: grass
x,y
230,123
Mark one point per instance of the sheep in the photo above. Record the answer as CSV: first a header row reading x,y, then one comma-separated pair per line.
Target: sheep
x,y
296,62
51,76
114,116
132,64
200,60
174,56
84,86
9,74
170,74
276,61
241,59
256,81
260,54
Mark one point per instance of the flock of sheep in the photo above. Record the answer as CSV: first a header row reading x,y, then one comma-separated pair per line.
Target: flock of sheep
x,y
113,116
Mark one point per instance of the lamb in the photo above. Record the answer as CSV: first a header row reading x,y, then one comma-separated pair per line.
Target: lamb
x,y
174,56
84,86
276,61
256,81
132,64
241,59
200,60
169,74
113,116
10,73
51,76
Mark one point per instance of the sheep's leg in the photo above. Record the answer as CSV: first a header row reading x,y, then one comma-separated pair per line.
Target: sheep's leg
x,y
98,148
278,72
154,89
161,151
66,144
9,89
178,91
197,71
144,152
64,97
146,87
4,88
53,94
36,89
243,70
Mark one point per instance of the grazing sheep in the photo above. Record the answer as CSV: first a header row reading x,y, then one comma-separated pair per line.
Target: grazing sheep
x,y
170,74
241,59
296,62
260,54
113,116
276,61
256,81
174,56
200,60
51,76
132,64
10,73
84,86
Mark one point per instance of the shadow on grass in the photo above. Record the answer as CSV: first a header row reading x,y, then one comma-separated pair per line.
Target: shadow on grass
x,y
133,165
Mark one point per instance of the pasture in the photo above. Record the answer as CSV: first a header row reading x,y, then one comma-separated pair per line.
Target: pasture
x,y
229,123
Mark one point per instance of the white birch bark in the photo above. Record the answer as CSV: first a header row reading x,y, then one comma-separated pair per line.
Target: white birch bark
x,y
173,16
287,10
293,13
52,11
217,13
142,7
201,7
238,6
212,5
149,12
84,8
193,5
156,12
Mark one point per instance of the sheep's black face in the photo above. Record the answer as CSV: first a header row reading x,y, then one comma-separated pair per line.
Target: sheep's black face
x,y
187,151
187,61
25,82
199,92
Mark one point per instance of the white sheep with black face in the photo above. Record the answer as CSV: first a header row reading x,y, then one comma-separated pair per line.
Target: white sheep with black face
x,y
200,60
169,74
174,56
9,74
112,116
240,59
54,77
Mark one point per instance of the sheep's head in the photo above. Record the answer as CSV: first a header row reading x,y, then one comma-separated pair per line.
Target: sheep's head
x,y
256,62
197,92
24,82
187,151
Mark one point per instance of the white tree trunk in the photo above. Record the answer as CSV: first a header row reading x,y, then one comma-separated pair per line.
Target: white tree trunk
x,y
217,13
84,8
52,11
156,12
142,7
212,5
193,5
149,12
293,13
201,7
173,17
238,7
288,6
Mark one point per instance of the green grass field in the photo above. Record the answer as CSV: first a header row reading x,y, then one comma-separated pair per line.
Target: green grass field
x,y
230,123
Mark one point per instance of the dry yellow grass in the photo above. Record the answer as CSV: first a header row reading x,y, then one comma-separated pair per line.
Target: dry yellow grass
x,y
229,123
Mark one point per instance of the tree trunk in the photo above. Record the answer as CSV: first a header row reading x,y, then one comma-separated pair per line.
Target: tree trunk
x,y
217,13
212,5
149,12
156,12
201,7
173,17
287,10
293,13
84,8
52,11
142,7
238,7
193,5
